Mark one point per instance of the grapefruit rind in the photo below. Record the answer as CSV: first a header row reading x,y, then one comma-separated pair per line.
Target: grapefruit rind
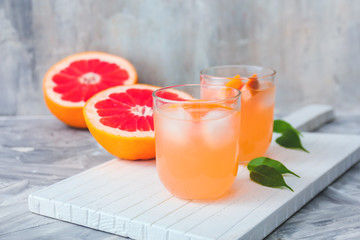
x,y
122,144
130,148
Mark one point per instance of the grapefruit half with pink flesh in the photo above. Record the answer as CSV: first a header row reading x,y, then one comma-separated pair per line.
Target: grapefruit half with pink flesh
x,y
121,120
71,82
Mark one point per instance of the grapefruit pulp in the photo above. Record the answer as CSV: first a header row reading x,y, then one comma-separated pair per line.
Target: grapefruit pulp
x,y
121,120
71,82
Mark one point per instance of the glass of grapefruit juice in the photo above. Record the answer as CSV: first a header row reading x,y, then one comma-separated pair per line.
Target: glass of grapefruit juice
x,y
197,140
257,104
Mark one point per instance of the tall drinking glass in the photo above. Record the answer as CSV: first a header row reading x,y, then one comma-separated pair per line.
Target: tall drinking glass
x,y
257,104
197,139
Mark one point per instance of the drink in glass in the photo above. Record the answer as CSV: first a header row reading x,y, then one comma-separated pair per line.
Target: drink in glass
x,y
197,140
257,104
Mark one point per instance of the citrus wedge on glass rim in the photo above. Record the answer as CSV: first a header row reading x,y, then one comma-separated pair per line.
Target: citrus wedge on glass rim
x,y
247,86
235,82
72,81
121,120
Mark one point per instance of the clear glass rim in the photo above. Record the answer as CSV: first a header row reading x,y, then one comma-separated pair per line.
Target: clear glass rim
x,y
233,98
204,70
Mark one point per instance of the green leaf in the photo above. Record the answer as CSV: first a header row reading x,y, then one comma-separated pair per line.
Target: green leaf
x,y
289,135
290,139
268,176
278,166
280,126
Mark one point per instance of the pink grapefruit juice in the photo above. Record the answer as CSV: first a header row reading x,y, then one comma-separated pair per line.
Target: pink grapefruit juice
x,y
197,148
257,114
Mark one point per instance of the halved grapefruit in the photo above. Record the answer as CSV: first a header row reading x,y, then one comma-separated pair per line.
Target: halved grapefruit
x,y
121,120
71,82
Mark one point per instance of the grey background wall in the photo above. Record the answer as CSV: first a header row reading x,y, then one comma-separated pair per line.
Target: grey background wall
x,y
314,45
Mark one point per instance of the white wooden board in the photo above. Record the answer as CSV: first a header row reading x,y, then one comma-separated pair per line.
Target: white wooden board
x,y
311,117
127,198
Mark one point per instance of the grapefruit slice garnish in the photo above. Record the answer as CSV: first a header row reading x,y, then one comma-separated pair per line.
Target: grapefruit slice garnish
x,y
121,120
247,89
251,87
199,108
253,82
235,82
71,82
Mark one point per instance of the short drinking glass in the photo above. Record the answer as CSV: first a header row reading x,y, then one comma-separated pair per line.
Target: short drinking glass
x,y
197,139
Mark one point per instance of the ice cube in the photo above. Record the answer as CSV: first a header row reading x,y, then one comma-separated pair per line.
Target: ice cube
x,y
220,128
174,125
268,98
177,112
215,114
246,94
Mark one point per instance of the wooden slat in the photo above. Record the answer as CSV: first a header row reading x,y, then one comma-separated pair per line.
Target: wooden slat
x,y
311,117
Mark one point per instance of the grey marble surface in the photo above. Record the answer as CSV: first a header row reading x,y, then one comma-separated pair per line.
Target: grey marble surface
x,y
37,151
313,45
